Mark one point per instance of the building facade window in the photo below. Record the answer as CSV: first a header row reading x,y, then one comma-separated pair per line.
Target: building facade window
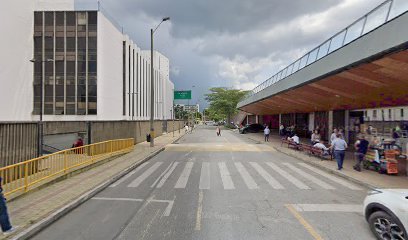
x,y
69,80
375,114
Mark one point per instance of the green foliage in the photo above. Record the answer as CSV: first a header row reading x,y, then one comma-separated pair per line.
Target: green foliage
x,y
223,102
180,113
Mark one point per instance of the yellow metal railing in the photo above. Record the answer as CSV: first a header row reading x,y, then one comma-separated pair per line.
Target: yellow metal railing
x,y
35,172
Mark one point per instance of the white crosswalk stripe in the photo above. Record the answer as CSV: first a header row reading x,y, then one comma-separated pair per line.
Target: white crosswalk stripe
x,y
146,174
272,181
225,176
167,174
249,181
309,177
289,177
182,181
205,176
331,177
128,175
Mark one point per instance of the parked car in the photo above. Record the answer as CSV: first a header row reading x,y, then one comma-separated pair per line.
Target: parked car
x,y
386,211
252,128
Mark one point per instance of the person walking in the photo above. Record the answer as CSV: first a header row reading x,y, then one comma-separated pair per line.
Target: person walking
x,y
282,130
267,131
361,146
186,128
333,135
339,147
218,131
4,216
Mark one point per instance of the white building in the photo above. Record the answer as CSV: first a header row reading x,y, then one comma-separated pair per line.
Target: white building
x,y
85,67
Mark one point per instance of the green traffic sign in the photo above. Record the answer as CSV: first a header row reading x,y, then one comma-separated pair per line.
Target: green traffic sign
x,y
182,94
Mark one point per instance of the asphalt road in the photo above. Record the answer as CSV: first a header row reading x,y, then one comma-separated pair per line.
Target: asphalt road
x,y
228,187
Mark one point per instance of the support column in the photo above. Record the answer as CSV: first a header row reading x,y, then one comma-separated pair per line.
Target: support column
x,y
346,125
256,119
311,121
280,119
330,124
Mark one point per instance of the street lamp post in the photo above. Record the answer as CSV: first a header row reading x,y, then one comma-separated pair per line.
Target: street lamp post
x,y
40,126
152,84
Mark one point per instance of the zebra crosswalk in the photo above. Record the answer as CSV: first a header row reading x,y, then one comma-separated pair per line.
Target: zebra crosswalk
x,y
232,175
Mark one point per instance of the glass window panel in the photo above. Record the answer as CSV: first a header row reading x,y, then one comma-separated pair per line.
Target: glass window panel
x,y
376,18
81,18
70,18
59,44
398,7
70,90
49,91
337,41
81,66
324,48
59,90
59,18
49,67
38,18
92,18
312,56
38,44
92,66
81,43
354,31
49,18
92,43
296,65
284,73
59,67
70,43
303,62
92,90
70,67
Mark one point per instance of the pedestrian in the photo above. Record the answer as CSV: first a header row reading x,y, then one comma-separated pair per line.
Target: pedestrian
x,y
333,135
218,131
282,130
4,217
339,147
315,138
361,146
267,131
186,128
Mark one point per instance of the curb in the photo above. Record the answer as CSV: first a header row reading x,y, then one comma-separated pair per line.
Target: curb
x,y
328,170
53,217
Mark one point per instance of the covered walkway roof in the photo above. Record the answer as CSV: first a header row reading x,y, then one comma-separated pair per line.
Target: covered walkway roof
x,y
370,71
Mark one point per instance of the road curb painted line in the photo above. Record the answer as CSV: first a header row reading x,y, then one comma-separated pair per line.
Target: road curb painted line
x,y
334,172
304,223
53,217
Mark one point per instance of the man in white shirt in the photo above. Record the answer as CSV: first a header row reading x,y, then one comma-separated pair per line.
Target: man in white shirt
x,y
339,146
267,131
333,135
321,145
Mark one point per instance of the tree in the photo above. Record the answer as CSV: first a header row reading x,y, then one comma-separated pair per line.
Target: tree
x,y
223,102
179,112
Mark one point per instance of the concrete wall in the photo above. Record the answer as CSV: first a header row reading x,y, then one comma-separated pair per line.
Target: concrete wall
x,y
19,141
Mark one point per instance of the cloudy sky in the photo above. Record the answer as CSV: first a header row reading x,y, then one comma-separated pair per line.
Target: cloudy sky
x,y
232,43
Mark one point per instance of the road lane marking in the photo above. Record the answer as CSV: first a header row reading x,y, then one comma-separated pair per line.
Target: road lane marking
x,y
199,211
345,183
355,208
145,175
304,223
182,181
249,181
167,175
161,175
225,176
121,180
118,199
272,181
166,212
205,176
310,177
286,175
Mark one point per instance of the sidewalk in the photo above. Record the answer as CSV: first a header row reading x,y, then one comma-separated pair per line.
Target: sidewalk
x,y
365,177
37,209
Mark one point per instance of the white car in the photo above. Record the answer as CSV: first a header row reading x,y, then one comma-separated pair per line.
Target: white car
x,y
386,211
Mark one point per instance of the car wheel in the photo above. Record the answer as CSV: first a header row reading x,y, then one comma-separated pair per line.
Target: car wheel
x,y
386,227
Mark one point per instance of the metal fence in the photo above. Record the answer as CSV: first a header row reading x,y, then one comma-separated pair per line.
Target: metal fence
x,y
380,15
21,177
